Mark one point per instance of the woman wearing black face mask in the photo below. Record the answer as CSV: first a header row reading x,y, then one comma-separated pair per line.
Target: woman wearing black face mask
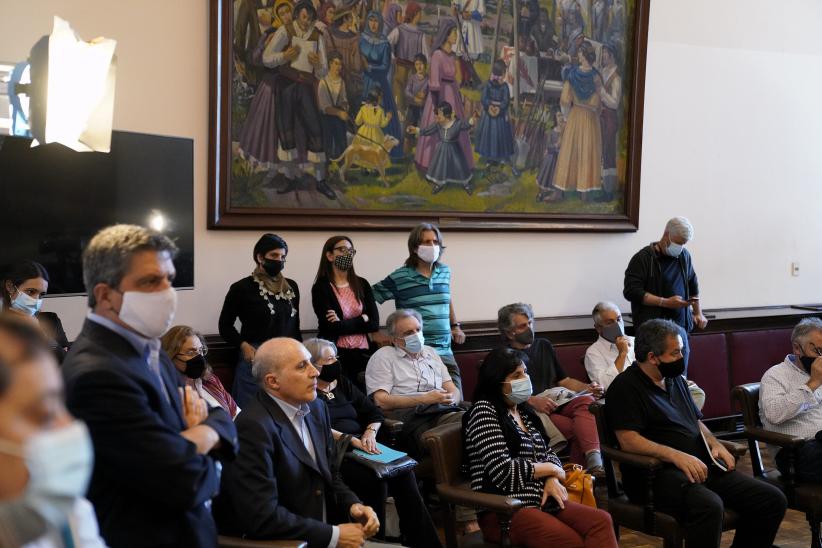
x,y
345,306
352,413
267,305
187,351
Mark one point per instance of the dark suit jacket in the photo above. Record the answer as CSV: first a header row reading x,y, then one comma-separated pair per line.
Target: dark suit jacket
x,y
324,299
149,486
274,490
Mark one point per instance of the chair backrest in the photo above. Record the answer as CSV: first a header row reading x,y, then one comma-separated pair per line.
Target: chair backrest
x,y
606,439
747,396
445,444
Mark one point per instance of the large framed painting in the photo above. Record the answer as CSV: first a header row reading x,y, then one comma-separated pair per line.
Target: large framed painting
x,y
377,114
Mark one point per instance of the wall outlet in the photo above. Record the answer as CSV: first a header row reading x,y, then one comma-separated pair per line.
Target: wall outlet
x,y
794,269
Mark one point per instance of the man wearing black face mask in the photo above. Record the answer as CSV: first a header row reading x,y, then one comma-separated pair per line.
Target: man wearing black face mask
x,y
650,410
790,398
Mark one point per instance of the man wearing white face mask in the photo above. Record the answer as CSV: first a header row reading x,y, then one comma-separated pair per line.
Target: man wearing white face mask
x,y
157,446
409,381
45,455
660,282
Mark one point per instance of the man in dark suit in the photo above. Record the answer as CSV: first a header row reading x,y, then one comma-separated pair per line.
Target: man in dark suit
x,y
156,445
284,483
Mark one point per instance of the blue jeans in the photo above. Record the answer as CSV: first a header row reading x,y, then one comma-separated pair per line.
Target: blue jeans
x,y
244,387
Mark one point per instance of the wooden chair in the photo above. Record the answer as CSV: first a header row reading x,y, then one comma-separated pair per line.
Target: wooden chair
x,y
807,497
445,444
643,517
237,542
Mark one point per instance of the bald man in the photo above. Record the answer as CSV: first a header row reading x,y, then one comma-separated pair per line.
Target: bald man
x,y
282,485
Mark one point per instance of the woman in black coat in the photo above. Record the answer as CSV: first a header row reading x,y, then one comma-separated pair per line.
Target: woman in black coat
x,y
267,304
345,306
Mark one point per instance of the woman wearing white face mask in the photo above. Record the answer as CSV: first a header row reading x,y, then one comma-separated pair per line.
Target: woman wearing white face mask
x,y
45,455
24,286
424,284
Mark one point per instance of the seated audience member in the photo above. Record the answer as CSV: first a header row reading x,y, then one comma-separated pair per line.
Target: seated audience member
x,y
187,351
613,351
651,411
790,399
45,455
410,383
508,454
352,413
282,484
23,286
156,443
572,418
345,306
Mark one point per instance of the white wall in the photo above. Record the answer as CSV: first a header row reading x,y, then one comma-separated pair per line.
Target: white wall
x,y
731,139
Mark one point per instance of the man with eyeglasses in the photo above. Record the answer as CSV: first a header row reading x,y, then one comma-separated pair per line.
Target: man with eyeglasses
x,y
790,399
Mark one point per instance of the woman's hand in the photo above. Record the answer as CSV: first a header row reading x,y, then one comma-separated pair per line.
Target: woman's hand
x,y
553,488
331,316
369,442
248,351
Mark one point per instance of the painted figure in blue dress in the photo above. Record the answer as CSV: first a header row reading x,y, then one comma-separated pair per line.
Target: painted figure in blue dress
x,y
376,50
494,134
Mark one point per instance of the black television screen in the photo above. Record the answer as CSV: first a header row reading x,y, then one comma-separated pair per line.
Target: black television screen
x,y
53,200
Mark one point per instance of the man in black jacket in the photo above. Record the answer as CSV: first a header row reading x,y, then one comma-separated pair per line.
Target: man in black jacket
x,y
284,483
660,282
155,469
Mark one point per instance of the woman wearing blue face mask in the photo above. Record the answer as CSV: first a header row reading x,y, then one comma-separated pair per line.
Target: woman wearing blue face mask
x,y
24,285
509,455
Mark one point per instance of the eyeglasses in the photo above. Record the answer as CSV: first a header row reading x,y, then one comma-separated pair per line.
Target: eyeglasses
x,y
346,250
194,352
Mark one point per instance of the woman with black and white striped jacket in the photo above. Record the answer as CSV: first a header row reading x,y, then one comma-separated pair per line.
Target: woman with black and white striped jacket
x,y
508,455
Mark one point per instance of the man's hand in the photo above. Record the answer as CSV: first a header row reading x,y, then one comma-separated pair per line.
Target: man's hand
x,y
693,468
816,374
553,488
367,518
351,535
623,344
195,409
719,453
203,436
291,53
438,395
700,321
248,351
596,389
542,404
342,115
458,335
675,302
314,59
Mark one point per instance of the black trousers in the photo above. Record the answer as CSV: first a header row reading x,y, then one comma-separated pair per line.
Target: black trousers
x,y
809,461
415,521
353,362
761,506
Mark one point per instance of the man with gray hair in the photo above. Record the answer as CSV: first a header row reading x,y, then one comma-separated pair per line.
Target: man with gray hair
x,y
660,282
153,439
613,351
790,399
409,381
650,410
285,483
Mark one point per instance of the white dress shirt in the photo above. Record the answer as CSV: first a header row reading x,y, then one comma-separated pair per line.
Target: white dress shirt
x,y
786,404
600,359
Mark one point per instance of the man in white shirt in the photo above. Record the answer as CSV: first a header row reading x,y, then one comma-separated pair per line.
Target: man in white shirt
x,y
790,398
409,381
613,351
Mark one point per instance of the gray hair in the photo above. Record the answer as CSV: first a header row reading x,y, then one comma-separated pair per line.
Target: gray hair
x,y
316,346
107,257
601,307
504,315
397,315
414,239
652,337
680,226
803,330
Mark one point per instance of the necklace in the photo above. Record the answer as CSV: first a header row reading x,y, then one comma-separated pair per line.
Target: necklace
x,y
266,294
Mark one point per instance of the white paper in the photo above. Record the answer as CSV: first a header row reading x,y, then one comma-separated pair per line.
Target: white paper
x,y
306,46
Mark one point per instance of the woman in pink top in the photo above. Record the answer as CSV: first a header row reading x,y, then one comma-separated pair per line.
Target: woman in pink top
x,y
345,306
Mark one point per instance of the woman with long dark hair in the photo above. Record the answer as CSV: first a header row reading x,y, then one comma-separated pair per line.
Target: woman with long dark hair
x,y
345,306
267,305
508,455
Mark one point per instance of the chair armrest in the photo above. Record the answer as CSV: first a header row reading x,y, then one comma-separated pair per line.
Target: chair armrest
x,y
639,461
237,542
391,425
774,438
737,450
475,499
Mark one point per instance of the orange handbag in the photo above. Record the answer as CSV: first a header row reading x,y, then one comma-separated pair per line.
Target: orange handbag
x,y
579,484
